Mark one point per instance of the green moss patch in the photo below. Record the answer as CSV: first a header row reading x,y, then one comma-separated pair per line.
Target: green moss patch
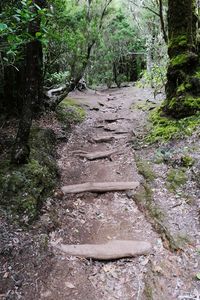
x,y
69,112
144,200
178,42
145,169
185,105
176,178
187,161
23,189
165,129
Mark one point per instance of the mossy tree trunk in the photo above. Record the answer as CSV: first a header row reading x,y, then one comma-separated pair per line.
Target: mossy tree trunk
x,y
183,76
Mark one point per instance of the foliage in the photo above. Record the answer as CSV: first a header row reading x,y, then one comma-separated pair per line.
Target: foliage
x,y
155,78
14,24
57,78
147,16
115,58
72,33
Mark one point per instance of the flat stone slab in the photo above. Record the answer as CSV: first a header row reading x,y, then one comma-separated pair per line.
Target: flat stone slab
x,y
114,249
100,187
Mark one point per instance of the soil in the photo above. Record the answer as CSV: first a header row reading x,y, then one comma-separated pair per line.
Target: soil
x,y
32,269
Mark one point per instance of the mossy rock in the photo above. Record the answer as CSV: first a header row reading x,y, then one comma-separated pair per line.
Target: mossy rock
x,y
183,106
23,189
69,112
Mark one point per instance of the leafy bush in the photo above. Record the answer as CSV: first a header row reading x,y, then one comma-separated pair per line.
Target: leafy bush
x,y
57,78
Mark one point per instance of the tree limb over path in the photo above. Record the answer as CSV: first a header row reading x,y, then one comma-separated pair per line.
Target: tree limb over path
x,y
100,187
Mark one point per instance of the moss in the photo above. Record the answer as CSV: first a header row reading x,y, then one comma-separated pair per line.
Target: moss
x,y
178,41
144,199
145,169
176,178
23,189
165,129
145,202
183,87
187,161
70,112
182,106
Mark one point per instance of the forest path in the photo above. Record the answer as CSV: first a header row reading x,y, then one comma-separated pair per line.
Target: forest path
x,y
93,218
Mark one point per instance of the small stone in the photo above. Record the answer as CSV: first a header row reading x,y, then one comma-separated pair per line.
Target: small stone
x,y
18,283
6,275
157,269
69,285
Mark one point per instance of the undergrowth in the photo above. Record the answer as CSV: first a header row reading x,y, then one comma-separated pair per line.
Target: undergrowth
x,y
23,189
176,178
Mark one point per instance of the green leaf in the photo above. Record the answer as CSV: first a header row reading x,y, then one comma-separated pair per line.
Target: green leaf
x,y
38,34
3,26
37,6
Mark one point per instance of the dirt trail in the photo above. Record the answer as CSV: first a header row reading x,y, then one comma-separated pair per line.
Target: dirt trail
x,y
97,218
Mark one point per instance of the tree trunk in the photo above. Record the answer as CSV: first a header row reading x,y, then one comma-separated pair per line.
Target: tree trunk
x,y
32,91
183,78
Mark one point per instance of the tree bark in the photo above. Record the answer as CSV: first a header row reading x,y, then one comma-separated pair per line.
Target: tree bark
x,y
183,80
162,21
32,90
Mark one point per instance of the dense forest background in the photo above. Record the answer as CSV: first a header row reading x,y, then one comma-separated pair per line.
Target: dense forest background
x,y
65,43
48,44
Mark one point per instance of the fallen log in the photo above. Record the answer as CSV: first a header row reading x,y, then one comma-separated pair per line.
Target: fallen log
x,y
95,155
99,187
115,249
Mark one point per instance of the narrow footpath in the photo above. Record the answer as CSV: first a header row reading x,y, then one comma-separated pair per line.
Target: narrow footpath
x,y
96,218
